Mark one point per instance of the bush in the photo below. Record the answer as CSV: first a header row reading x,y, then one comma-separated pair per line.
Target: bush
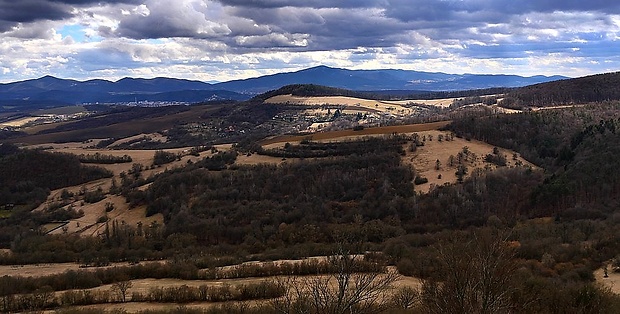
x,y
420,180
161,157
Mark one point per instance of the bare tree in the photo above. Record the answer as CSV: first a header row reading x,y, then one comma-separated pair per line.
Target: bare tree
x,y
478,277
352,288
121,288
405,297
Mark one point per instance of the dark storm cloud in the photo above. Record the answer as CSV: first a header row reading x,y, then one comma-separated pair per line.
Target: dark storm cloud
x,y
164,19
316,4
31,10
13,12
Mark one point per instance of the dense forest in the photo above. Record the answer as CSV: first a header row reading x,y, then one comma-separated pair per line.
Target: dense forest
x,y
27,176
312,90
220,213
577,147
583,90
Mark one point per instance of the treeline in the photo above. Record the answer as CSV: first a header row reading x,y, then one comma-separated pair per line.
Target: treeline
x,y
312,197
45,298
540,137
27,176
36,293
504,193
309,149
98,158
595,88
578,147
312,90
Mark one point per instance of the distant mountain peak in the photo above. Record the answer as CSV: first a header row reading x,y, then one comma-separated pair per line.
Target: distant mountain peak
x,y
51,89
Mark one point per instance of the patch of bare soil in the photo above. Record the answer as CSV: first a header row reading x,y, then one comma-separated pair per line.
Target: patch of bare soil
x,y
612,281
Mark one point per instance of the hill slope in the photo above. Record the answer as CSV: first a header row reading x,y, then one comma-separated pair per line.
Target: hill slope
x,y
49,91
594,88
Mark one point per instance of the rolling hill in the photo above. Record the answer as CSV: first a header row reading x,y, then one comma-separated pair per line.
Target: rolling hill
x,y
593,88
50,91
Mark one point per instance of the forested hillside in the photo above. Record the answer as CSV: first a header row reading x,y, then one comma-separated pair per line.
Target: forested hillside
x,y
27,176
595,88
312,90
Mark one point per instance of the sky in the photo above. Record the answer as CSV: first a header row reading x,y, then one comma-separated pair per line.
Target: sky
x,y
221,40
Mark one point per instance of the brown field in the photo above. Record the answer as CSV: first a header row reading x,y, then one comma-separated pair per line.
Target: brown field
x,y
87,225
351,103
18,122
118,130
423,160
40,270
381,105
333,135
144,285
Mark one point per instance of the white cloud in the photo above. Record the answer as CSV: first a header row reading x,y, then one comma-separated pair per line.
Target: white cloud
x,y
231,39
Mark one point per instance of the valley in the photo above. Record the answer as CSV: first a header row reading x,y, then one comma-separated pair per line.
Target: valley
x,y
262,206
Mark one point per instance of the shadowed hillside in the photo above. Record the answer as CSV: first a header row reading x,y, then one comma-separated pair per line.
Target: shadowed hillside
x,y
595,88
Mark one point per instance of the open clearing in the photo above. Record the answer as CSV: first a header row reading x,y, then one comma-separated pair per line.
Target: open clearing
x,y
383,105
353,105
612,282
342,134
88,225
424,159
143,286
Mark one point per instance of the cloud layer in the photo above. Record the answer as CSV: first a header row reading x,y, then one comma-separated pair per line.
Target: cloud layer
x,y
227,39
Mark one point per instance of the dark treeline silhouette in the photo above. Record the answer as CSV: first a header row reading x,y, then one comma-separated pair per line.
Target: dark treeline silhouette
x,y
583,90
27,176
309,149
312,90
293,203
98,158
578,147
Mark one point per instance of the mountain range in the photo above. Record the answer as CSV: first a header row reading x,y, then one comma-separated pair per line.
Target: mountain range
x,y
50,91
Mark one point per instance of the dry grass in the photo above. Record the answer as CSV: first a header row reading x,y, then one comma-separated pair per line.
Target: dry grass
x,y
423,160
344,134
87,225
143,286
612,282
382,105
18,122
40,270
